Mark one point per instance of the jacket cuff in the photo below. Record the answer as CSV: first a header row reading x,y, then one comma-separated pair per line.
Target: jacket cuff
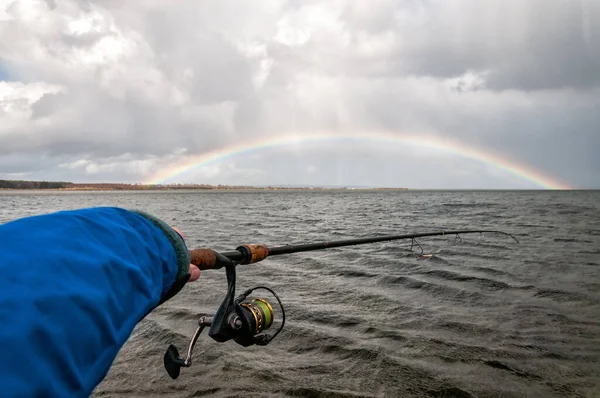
x,y
181,251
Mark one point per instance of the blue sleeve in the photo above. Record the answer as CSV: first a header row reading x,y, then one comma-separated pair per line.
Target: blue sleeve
x,y
73,285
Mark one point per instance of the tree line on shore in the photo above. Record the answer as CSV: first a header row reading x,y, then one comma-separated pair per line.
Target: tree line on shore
x,y
19,184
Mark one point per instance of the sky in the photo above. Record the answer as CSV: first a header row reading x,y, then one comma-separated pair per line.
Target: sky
x,y
422,94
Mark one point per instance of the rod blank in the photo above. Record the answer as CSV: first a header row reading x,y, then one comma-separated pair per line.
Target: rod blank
x,y
248,254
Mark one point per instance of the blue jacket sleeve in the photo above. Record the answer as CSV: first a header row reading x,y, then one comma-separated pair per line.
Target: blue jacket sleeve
x,y
73,285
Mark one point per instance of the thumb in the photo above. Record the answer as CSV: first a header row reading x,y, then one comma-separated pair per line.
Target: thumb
x,y
195,273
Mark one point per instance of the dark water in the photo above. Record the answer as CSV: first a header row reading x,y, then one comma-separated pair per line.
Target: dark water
x,y
485,317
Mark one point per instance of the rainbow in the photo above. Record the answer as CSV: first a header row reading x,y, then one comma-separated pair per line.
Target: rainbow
x,y
421,141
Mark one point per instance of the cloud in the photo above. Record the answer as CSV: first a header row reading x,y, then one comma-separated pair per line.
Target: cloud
x,y
524,45
116,90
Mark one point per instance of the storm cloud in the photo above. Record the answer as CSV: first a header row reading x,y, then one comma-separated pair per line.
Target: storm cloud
x,y
119,90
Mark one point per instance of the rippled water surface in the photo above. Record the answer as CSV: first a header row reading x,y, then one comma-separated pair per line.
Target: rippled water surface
x,y
483,317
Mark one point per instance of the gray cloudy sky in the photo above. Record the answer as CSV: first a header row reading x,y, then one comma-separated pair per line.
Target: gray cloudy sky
x,y
122,90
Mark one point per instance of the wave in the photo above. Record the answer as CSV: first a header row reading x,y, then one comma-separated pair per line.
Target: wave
x,y
449,392
566,296
354,274
322,393
482,282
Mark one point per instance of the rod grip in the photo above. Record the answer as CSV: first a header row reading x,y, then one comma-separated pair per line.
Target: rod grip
x,y
253,253
203,258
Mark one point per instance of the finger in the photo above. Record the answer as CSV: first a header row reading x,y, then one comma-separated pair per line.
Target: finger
x,y
179,232
195,273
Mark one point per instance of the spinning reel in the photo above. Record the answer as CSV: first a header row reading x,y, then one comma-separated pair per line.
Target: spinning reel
x,y
237,318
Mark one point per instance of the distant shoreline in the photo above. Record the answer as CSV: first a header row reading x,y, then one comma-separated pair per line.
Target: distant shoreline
x,y
246,189
18,185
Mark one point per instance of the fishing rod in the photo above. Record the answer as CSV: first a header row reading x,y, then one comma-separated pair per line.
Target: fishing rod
x,y
243,320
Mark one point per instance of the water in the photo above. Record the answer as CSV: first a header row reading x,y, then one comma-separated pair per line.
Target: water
x,y
484,317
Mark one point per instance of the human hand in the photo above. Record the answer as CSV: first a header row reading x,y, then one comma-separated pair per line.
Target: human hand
x,y
194,271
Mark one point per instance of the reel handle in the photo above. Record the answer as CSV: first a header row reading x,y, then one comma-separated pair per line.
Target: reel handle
x,y
173,362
